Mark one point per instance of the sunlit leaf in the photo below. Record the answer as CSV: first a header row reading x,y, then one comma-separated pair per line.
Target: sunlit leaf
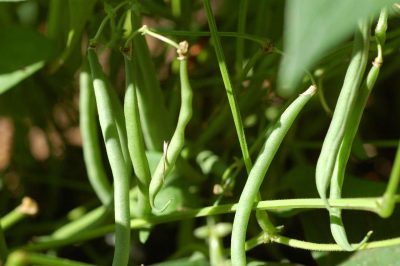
x,y
24,52
312,27
381,256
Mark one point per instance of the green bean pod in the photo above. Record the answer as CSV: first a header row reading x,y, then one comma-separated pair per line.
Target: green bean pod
x,y
116,159
150,97
135,138
337,228
173,148
90,140
118,112
344,106
257,173
336,223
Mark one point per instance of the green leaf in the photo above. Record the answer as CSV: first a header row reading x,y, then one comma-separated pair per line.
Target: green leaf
x,y
79,13
312,27
380,256
23,52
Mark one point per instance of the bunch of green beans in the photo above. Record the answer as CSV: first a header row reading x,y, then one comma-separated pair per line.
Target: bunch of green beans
x,y
257,175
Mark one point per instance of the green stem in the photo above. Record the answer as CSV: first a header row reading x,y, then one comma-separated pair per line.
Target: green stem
x,y
262,219
388,200
260,40
228,86
362,204
241,28
22,258
3,246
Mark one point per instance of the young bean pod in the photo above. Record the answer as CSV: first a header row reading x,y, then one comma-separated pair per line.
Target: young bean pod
x,y
119,118
90,140
257,175
336,223
345,103
135,138
337,227
115,155
150,97
174,147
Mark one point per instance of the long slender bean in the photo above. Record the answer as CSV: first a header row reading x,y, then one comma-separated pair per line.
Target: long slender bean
x,y
118,112
135,138
345,103
257,174
336,223
22,258
151,101
116,159
90,140
89,220
173,148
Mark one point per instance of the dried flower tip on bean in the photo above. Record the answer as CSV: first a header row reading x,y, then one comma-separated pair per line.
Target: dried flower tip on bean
x,y
183,50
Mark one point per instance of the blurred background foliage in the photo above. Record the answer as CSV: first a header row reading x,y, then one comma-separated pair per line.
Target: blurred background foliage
x,y
41,149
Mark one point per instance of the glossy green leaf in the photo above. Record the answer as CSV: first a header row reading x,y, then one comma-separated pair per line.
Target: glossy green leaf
x,y
23,52
312,27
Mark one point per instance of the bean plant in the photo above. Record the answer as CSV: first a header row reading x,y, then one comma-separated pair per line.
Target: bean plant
x,y
199,132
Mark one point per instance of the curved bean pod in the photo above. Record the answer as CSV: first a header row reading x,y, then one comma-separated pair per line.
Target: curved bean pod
x,y
116,158
257,173
336,223
337,228
172,150
119,118
135,138
90,140
345,103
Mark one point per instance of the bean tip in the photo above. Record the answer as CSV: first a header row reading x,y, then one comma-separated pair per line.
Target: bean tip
x,y
310,91
183,50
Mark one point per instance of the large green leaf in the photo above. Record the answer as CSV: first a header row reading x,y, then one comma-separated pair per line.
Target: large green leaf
x,y
372,257
23,52
312,27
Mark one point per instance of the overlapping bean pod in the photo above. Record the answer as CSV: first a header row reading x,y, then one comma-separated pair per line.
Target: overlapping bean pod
x,y
115,155
332,162
90,140
336,223
173,148
345,103
135,138
257,173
